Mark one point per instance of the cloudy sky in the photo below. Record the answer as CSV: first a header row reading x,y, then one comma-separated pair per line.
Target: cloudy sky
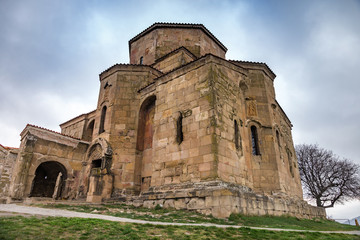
x,y
51,53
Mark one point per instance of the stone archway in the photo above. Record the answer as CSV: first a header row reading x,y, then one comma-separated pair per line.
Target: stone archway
x,y
49,180
100,177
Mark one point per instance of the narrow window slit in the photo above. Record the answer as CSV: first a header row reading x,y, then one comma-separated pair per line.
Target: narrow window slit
x,y
102,120
179,130
254,141
236,135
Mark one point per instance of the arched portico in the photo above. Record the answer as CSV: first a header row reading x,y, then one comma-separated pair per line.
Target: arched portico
x,y
49,180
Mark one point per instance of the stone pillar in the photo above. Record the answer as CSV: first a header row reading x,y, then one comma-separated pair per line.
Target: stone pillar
x,y
21,170
57,186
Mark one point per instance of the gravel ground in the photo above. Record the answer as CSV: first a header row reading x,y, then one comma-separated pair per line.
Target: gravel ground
x,y
17,209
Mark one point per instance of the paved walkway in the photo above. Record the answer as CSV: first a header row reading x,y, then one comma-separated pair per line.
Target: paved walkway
x,y
37,211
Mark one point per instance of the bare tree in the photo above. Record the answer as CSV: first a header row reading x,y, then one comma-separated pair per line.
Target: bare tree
x,y
326,178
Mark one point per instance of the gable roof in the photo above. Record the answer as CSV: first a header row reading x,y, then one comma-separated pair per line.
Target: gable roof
x,y
47,130
182,48
177,25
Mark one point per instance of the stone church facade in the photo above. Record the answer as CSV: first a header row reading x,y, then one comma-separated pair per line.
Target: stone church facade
x,y
180,126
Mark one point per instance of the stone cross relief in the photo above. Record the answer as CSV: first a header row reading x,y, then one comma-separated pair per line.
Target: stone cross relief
x,y
251,108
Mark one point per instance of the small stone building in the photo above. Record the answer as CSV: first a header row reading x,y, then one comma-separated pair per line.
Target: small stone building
x,y
180,126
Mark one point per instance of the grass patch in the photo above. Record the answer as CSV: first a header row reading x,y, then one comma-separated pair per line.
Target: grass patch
x,y
182,216
158,214
288,222
77,228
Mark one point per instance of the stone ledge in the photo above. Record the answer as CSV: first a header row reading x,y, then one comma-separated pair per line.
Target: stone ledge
x,y
221,199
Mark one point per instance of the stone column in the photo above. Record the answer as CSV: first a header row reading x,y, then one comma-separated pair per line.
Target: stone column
x,y
21,170
57,186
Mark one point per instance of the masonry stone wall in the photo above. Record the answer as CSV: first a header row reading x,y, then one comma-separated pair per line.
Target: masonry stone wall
x,y
123,102
221,199
161,41
191,160
7,162
234,163
78,127
175,60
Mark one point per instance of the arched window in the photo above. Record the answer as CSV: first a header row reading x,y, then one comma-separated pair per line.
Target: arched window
x,y
254,141
102,120
89,131
141,60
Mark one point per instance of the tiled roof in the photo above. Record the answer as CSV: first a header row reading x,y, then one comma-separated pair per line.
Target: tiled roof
x,y
30,125
178,25
8,148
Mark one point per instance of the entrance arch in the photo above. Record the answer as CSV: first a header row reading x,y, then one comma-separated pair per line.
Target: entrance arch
x,y
49,180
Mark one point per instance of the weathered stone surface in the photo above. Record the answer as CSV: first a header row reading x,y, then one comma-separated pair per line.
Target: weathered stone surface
x,y
221,199
7,161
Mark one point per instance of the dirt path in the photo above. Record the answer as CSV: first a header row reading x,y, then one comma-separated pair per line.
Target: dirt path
x,y
10,209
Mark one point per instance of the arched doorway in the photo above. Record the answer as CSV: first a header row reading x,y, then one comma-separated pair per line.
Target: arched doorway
x,y
49,180
100,179
143,162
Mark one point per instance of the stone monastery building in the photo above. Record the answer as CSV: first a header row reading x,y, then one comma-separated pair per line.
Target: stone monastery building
x,y
179,126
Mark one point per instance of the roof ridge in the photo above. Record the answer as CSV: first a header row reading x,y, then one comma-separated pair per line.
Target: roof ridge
x,y
172,52
251,62
130,64
49,130
7,147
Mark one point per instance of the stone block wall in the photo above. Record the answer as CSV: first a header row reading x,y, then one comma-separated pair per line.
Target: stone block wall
x,y
232,143
123,105
221,199
192,160
75,128
78,127
289,175
159,42
7,162
174,60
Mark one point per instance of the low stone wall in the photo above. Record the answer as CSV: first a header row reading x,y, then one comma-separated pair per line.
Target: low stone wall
x,y
220,199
